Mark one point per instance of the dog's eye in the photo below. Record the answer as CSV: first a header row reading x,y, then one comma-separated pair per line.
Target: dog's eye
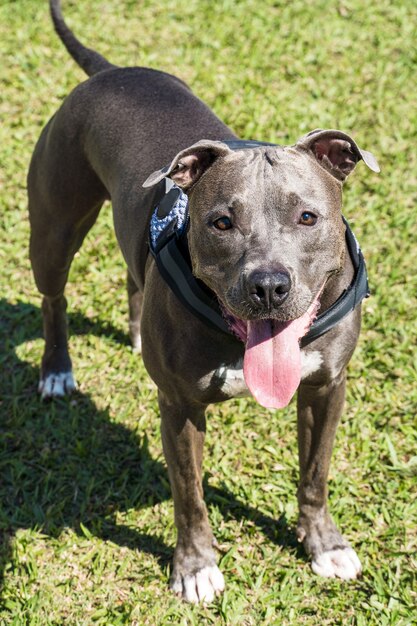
x,y
308,219
223,223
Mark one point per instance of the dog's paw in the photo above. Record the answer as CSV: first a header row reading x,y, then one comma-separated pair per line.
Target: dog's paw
x,y
202,587
57,385
340,563
136,344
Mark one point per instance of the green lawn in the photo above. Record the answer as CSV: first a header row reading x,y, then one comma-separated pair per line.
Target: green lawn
x,y
86,517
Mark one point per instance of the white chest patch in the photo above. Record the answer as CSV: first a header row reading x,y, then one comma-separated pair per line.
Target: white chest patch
x,y
310,362
233,381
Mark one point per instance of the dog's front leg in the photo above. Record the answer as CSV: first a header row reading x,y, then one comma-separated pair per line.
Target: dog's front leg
x,y
319,411
195,575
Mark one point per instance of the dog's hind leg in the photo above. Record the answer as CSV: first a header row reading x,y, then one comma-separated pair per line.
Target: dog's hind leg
x,y
135,297
53,244
63,205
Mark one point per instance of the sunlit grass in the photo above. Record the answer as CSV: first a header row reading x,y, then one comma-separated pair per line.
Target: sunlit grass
x,y
85,511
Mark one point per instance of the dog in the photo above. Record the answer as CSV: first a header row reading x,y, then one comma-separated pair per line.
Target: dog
x,y
250,282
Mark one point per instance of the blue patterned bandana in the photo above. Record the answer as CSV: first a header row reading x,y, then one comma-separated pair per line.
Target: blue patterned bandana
x,y
176,202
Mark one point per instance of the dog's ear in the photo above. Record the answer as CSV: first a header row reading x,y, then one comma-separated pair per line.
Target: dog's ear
x,y
189,164
336,151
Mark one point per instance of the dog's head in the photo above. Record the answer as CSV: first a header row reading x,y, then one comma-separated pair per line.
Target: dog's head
x,y
266,228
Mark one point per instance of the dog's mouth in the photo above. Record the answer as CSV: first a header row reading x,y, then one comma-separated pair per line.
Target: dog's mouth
x,y
272,362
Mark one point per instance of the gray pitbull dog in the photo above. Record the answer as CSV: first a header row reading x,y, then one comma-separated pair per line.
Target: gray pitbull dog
x,y
267,241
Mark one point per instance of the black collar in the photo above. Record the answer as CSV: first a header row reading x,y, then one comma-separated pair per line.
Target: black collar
x,y
173,260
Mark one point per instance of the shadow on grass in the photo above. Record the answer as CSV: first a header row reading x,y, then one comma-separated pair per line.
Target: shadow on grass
x,y
65,464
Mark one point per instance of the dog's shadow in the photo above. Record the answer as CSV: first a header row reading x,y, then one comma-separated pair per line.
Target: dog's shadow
x,y
65,464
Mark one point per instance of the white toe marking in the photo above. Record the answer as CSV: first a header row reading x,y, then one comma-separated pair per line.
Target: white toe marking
x,y
137,344
176,587
310,363
190,590
204,587
216,579
341,563
201,587
57,385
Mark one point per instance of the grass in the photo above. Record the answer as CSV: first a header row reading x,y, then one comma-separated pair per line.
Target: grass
x,y
85,512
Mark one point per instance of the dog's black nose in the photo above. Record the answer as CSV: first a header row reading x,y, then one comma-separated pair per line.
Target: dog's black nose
x,y
269,289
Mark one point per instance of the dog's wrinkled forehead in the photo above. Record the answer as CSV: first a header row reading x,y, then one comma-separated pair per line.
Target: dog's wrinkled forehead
x,y
279,175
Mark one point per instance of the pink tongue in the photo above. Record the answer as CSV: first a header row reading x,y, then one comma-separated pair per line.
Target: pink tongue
x,y
272,363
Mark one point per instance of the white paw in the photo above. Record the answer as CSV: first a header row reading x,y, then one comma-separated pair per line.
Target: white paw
x,y
203,586
57,385
137,344
341,563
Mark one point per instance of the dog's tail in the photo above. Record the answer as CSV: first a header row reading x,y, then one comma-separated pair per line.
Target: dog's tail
x,y
90,61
